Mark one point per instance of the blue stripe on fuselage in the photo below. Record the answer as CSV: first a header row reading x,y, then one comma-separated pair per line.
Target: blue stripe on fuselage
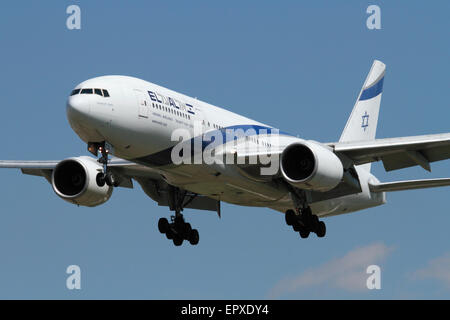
x,y
163,157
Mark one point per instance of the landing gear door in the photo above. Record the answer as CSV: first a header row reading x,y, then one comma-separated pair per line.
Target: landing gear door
x,y
143,104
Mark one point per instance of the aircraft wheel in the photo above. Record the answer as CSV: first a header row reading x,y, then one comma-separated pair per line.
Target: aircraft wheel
x,y
177,240
321,230
290,217
304,234
169,234
163,225
297,227
100,179
194,237
110,179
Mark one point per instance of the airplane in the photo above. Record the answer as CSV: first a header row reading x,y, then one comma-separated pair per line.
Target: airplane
x,y
129,127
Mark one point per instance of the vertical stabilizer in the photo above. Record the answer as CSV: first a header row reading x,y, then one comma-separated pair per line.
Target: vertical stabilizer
x,y
362,123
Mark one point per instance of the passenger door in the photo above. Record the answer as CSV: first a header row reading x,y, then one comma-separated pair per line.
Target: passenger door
x,y
143,104
200,118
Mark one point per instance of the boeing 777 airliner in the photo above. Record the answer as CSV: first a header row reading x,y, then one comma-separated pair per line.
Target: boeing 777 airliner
x,y
186,153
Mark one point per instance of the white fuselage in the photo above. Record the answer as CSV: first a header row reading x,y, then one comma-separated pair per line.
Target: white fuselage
x,y
138,120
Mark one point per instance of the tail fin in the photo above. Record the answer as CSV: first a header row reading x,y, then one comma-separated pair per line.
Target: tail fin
x,y
362,124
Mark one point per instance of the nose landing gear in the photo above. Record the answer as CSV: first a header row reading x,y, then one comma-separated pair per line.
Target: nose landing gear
x,y
105,177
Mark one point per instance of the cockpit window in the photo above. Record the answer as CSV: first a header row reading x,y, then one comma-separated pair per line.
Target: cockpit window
x,y
86,91
100,92
74,92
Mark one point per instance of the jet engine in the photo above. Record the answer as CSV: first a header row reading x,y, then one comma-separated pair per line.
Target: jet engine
x,y
311,166
74,180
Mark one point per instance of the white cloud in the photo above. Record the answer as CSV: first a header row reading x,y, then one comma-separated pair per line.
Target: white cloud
x,y
345,273
437,269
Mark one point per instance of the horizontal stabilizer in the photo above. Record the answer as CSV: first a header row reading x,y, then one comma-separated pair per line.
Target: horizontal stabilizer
x,y
409,185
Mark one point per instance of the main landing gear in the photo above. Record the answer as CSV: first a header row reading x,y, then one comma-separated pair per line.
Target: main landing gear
x,y
304,222
177,229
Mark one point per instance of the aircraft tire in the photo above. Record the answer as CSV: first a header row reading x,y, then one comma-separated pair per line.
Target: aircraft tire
x,y
321,230
194,237
100,179
304,234
177,240
110,179
290,217
163,225
169,234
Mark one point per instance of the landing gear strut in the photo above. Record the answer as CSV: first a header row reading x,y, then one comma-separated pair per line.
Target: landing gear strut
x,y
177,229
106,176
305,223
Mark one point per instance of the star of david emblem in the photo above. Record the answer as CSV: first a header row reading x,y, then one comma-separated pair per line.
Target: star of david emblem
x,y
365,121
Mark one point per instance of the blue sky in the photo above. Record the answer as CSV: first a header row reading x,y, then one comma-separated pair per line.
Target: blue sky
x,y
295,65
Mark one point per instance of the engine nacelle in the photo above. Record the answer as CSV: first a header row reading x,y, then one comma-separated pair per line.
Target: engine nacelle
x,y
310,166
74,180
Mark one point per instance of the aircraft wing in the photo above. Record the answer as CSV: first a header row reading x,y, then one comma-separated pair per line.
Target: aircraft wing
x,y
398,153
51,164
44,168
150,180
27,164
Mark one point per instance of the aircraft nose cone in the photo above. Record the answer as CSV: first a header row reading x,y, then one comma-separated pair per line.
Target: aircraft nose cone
x,y
78,108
